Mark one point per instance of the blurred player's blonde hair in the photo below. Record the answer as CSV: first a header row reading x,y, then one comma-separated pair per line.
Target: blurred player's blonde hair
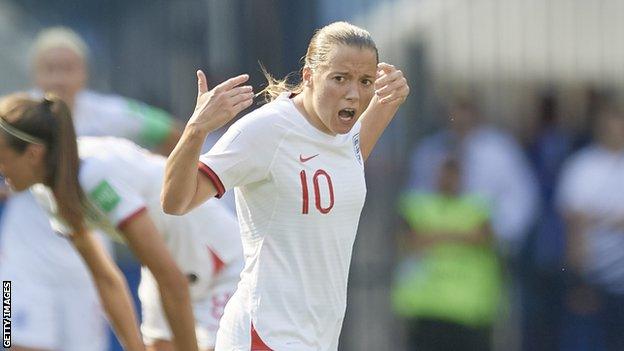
x,y
59,37
321,44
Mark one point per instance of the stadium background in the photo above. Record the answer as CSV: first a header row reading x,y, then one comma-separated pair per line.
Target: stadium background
x,y
506,52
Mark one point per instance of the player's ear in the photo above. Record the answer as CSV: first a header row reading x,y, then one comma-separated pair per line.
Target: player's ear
x,y
306,76
35,153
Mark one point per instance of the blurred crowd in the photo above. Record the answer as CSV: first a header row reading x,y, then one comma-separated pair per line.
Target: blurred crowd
x,y
495,223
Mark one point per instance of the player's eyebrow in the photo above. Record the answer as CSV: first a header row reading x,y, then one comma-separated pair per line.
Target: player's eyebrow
x,y
342,73
349,74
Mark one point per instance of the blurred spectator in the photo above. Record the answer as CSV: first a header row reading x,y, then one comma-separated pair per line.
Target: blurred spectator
x,y
494,167
57,306
548,148
542,285
591,198
449,287
596,98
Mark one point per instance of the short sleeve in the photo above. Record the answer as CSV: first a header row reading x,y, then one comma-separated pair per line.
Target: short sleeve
x,y
110,194
243,155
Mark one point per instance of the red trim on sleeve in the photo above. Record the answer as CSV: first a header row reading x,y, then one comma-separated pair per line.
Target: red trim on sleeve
x,y
214,178
216,260
130,217
256,343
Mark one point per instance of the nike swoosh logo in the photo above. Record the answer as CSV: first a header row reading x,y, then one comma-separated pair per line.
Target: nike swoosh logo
x,y
306,159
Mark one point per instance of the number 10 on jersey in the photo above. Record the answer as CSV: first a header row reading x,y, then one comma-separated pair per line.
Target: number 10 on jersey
x,y
305,208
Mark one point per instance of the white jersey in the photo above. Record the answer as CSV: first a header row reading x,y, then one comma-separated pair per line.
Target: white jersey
x,y
299,195
98,114
123,180
23,222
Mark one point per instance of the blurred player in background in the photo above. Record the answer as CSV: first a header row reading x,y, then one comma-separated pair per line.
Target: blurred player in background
x,y
115,186
59,61
297,167
65,314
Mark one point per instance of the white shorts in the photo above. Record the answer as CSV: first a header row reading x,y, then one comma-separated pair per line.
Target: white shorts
x,y
207,311
67,319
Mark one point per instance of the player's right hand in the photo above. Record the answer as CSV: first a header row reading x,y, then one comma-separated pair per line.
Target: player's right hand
x,y
216,107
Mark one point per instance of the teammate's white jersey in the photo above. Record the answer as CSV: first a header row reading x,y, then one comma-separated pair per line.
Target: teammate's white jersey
x,y
23,221
112,115
53,264
299,194
123,180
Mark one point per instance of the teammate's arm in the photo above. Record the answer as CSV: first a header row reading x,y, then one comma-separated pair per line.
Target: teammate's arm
x,y
149,247
113,290
391,90
184,186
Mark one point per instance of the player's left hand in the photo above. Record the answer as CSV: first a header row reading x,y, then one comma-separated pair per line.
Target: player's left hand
x,y
216,107
390,85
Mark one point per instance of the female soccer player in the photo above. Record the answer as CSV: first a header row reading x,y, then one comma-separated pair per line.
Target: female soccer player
x,y
115,186
66,314
296,165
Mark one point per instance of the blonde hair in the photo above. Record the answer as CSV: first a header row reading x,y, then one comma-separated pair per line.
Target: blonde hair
x,y
49,120
317,55
59,37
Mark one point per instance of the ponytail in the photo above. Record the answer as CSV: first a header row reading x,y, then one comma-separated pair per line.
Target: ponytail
x,y
275,86
63,164
49,120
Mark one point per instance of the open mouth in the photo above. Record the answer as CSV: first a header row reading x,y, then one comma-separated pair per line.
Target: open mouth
x,y
346,114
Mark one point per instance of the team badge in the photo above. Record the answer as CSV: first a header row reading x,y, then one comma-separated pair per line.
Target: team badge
x,y
105,197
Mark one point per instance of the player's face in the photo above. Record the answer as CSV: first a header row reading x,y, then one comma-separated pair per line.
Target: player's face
x,y
60,71
342,88
18,169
